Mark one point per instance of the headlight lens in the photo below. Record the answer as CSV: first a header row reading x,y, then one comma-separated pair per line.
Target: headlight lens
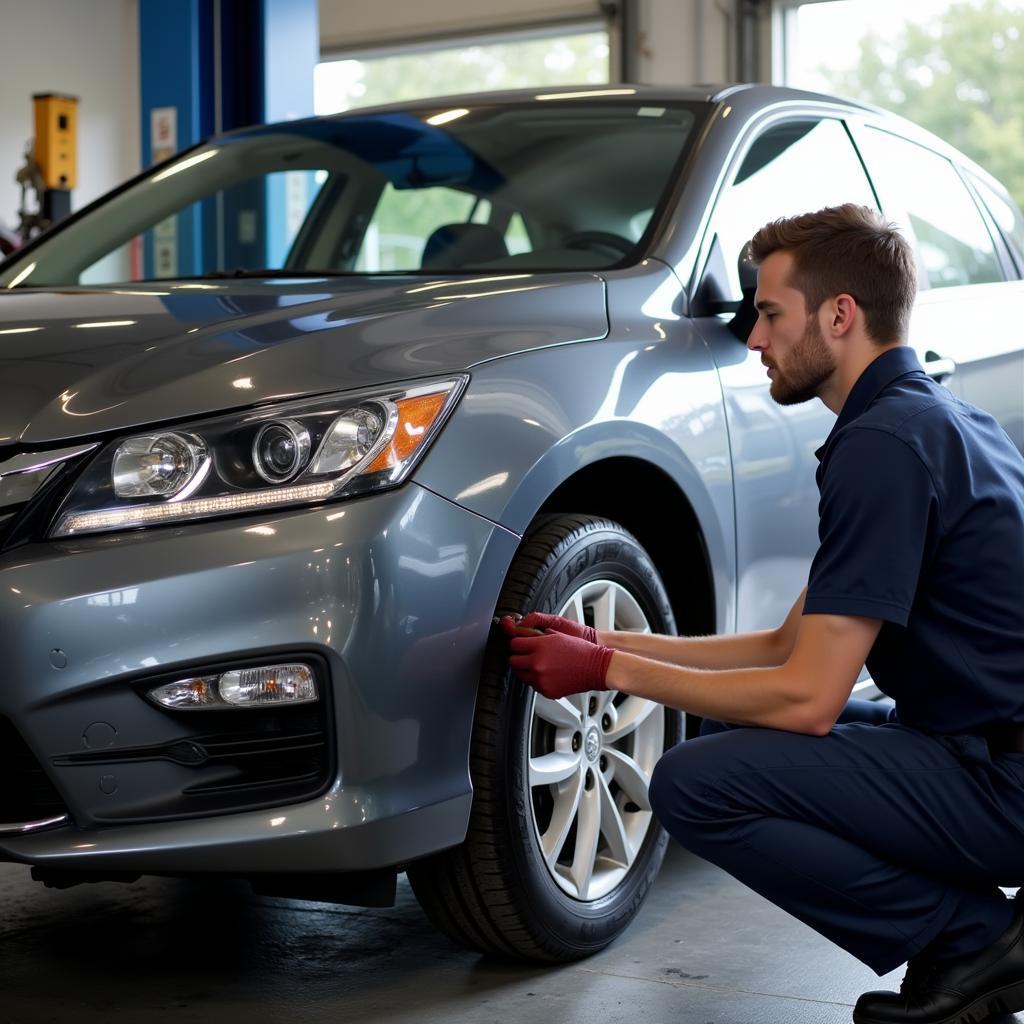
x,y
280,450
160,465
294,454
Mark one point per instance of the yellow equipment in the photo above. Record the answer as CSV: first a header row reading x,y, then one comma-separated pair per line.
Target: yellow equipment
x,y
56,137
51,163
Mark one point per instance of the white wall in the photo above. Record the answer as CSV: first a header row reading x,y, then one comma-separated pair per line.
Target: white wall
x,y
90,49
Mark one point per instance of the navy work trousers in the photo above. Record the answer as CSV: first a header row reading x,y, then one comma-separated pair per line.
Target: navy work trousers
x,y
886,840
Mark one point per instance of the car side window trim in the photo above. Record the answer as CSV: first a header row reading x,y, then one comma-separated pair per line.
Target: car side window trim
x,y
784,114
1013,266
756,131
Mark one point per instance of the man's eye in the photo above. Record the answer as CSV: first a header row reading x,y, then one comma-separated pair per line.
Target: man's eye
x,y
771,316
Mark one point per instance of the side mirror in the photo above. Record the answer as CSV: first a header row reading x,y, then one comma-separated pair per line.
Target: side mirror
x,y
713,294
745,316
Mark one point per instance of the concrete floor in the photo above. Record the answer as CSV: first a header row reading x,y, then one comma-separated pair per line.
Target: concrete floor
x,y
704,950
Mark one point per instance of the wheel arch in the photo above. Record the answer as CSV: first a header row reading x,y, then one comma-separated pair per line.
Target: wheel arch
x,y
647,502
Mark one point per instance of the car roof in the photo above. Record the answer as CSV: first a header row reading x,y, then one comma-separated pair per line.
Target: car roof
x,y
706,92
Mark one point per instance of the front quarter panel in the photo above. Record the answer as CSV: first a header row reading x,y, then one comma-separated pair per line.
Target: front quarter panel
x,y
649,391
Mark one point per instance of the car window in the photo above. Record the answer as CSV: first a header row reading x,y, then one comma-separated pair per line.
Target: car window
x,y
403,221
790,169
923,192
1007,215
258,217
543,186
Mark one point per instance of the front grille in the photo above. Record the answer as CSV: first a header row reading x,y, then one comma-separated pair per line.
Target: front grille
x,y
26,794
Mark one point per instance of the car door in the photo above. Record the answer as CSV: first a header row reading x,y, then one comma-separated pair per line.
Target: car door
x,y
966,326
786,165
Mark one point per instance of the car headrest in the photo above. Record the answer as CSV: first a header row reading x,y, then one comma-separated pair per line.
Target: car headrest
x,y
455,245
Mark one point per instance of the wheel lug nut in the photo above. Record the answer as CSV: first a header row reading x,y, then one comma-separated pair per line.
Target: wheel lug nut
x,y
576,741
593,704
589,784
604,763
606,722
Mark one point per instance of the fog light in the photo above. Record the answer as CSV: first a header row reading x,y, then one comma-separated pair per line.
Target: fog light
x,y
263,686
274,684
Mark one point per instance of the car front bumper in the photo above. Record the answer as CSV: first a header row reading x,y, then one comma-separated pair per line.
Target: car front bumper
x,y
391,596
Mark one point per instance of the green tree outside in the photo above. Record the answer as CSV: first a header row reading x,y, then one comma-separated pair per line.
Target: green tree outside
x,y
961,77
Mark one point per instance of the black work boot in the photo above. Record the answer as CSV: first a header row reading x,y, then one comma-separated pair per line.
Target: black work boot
x,y
961,991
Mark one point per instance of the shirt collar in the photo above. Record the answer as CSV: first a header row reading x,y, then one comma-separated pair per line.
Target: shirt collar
x,y
892,364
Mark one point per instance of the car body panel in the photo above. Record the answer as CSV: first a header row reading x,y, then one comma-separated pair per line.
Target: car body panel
x,y
649,391
191,352
387,589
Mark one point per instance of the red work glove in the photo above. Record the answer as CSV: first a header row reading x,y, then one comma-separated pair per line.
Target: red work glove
x,y
541,621
557,665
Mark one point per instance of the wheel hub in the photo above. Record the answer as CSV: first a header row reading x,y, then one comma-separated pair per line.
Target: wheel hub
x,y
593,744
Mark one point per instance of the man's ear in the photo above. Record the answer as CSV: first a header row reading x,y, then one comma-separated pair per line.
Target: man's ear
x,y
842,311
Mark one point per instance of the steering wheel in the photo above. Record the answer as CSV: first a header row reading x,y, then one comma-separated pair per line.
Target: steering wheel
x,y
599,240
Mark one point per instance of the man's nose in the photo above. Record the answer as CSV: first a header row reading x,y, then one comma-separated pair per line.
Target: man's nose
x,y
755,340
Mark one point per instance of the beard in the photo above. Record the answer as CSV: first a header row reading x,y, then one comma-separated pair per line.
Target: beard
x,y
809,364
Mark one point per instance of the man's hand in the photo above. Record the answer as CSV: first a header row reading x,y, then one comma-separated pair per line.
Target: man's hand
x,y
557,665
541,621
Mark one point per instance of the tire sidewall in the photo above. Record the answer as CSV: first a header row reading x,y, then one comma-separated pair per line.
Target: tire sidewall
x,y
606,552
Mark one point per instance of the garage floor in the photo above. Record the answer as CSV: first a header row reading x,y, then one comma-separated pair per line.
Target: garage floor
x,y
704,950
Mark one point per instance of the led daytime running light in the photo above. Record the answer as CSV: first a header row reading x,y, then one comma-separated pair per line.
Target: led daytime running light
x,y
146,516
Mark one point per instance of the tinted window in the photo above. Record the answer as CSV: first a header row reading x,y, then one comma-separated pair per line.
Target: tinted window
x,y
925,194
790,169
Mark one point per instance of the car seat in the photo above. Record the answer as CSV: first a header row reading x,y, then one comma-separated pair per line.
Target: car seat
x,y
455,245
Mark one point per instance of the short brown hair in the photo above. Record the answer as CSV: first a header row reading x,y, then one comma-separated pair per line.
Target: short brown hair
x,y
849,249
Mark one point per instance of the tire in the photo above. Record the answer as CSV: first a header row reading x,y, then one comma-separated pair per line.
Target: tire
x,y
498,892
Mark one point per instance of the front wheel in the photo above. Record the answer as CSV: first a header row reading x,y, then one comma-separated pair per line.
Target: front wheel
x,y
562,846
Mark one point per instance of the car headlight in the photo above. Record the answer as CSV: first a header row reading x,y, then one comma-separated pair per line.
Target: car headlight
x,y
296,453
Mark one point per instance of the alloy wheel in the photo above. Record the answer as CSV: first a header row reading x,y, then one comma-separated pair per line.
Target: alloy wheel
x,y
590,758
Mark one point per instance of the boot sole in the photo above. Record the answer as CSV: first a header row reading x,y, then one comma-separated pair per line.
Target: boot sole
x,y
1005,1000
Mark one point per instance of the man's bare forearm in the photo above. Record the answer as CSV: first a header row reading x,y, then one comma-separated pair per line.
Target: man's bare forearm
x,y
741,650
773,698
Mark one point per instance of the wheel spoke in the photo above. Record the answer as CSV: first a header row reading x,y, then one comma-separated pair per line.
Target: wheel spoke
x,y
576,608
619,847
604,609
550,769
630,776
633,711
578,702
561,712
588,830
567,802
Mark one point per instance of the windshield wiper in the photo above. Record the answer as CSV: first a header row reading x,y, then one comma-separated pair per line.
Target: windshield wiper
x,y
239,272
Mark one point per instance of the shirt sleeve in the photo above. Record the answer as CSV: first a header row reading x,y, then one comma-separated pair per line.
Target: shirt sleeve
x,y
878,521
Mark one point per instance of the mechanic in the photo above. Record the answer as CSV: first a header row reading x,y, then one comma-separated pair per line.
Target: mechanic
x,y
889,832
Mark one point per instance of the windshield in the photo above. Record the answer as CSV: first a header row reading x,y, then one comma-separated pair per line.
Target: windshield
x,y
546,186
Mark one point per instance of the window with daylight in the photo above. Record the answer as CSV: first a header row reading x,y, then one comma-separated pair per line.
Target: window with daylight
x,y
566,55
955,67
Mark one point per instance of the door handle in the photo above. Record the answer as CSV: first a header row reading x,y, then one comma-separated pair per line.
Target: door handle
x,y
938,368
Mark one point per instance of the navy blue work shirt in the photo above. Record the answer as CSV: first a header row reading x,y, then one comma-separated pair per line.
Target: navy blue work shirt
x,y
922,526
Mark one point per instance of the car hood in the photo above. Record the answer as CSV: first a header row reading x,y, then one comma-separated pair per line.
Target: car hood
x,y
81,362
